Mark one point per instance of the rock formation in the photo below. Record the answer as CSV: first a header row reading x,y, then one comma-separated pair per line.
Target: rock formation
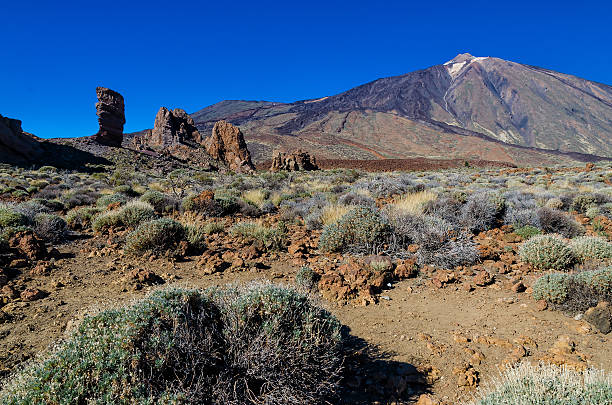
x,y
173,128
15,144
227,145
111,117
294,161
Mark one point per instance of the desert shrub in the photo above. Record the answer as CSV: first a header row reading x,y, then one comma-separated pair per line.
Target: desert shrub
x,y
582,202
527,231
281,348
228,205
130,215
136,212
52,205
441,246
81,218
126,189
73,199
256,196
592,212
108,199
547,252
362,227
159,201
447,208
386,186
481,211
547,384
30,209
521,217
106,220
355,199
159,236
11,218
166,348
591,247
585,290
271,238
50,227
554,203
248,209
306,278
195,234
551,288
213,227
554,221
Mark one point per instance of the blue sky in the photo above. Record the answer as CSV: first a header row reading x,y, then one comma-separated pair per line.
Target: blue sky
x,y
191,54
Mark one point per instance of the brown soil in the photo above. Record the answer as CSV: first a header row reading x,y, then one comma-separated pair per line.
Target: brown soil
x,y
454,332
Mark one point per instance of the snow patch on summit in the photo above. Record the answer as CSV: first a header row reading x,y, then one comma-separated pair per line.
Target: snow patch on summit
x,y
454,67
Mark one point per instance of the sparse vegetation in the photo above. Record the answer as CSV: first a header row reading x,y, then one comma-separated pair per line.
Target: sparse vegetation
x,y
548,385
547,252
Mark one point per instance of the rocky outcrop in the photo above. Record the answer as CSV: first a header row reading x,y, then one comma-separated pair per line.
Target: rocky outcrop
x,y
15,144
173,127
294,161
111,117
227,145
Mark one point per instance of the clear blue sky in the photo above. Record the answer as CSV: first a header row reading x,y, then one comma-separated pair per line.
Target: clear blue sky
x,y
192,54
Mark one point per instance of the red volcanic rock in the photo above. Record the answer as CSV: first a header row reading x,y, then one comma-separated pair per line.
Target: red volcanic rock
x,y
16,143
173,127
294,161
29,245
111,117
227,145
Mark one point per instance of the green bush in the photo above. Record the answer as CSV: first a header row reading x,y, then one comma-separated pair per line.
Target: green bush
x,y
271,238
106,220
582,202
9,217
157,236
136,212
591,248
547,384
108,199
363,226
575,292
551,288
130,215
159,201
547,252
164,349
527,231
81,218
262,344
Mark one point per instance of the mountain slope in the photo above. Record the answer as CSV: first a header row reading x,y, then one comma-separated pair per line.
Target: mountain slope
x,y
468,107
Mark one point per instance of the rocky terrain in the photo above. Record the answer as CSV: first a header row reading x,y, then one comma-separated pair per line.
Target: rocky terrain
x,y
441,278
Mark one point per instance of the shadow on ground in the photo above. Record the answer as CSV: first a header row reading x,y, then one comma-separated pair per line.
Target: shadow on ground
x,y
371,377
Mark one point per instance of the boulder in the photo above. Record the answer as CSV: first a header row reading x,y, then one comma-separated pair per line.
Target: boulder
x,y
16,144
173,127
600,316
295,161
227,145
110,109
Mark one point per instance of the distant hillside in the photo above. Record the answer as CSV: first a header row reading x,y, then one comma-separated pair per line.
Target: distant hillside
x,y
469,107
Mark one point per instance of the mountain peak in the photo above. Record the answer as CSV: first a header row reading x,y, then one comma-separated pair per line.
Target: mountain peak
x,y
462,57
